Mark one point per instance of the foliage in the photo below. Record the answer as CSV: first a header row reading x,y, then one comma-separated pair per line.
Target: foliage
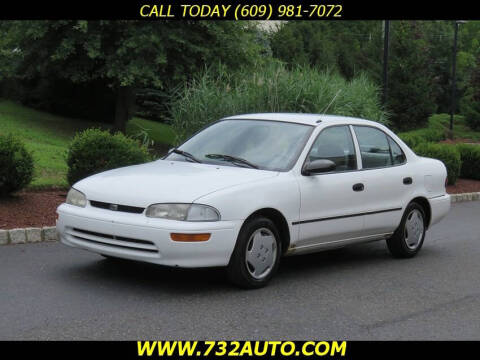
x,y
272,88
471,108
434,132
81,68
348,47
48,136
470,104
128,53
470,155
92,100
448,154
420,59
94,150
152,104
410,97
412,139
157,132
124,54
437,129
16,165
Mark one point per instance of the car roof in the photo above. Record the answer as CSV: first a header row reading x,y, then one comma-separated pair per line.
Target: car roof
x,y
301,118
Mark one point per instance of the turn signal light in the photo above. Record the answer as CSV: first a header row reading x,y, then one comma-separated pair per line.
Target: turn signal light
x,y
189,237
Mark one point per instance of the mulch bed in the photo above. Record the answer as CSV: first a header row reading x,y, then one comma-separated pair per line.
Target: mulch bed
x,y
30,208
464,186
37,208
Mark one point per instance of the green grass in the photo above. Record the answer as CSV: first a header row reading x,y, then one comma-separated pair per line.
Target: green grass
x,y
438,129
158,132
460,128
47,136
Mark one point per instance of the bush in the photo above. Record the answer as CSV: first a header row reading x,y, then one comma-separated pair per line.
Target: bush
x,y
272,88
434,132
470,155
446,153
16,165
94,150
470,108
412,140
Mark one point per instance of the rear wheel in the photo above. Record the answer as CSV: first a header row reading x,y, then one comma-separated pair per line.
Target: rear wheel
x,y
408,239
256,256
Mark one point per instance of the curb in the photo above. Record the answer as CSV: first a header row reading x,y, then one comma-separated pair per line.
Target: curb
x,y
465,197
49,233
28,235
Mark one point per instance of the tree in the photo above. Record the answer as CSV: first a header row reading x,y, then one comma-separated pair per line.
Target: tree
x,y
419,66
470,103
125,54
411,98
346,46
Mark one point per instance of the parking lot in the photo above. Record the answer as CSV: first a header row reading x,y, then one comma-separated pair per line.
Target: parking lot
x,y
50,291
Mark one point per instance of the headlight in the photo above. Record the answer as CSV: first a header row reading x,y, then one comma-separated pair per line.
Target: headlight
x,y
184,212
75,197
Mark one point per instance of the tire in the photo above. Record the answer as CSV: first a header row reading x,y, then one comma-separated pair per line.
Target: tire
x,y
256,256
408,239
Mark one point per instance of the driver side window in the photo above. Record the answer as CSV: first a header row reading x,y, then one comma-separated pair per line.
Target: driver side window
x,y
336,144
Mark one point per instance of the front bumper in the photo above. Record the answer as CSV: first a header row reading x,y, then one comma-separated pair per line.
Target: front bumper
x,y
136,237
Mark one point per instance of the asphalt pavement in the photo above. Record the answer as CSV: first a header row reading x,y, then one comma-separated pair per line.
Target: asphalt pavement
x,y
50,291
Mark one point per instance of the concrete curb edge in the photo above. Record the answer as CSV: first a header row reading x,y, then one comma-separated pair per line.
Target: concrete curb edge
x,y
28,235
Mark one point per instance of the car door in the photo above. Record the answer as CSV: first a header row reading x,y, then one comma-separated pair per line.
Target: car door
x,y
386,177
331,202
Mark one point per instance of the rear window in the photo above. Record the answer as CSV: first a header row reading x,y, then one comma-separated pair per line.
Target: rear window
x,y
377,149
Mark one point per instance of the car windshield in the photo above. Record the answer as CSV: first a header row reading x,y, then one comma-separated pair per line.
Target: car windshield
x,y
262,144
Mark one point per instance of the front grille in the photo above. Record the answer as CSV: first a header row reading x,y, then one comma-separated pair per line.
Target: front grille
x,y
112,241
116,207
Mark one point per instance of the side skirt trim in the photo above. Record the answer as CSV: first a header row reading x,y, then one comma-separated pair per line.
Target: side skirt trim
x,y
339,242
345,216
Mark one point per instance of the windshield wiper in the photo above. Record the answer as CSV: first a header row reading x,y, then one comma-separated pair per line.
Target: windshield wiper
x,y
185,154
233,159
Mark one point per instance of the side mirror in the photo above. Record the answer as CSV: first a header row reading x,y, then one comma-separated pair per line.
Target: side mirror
x,y
318,167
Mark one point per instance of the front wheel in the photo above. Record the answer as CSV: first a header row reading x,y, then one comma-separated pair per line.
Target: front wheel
x,y
256,256
408,239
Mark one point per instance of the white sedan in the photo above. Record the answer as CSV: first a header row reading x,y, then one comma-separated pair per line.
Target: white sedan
x,y
249,189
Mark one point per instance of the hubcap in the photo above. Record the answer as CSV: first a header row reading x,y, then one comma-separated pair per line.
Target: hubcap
x,y
261,253
414,227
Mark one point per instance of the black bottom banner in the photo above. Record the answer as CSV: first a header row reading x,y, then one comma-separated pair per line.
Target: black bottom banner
x,y
237,349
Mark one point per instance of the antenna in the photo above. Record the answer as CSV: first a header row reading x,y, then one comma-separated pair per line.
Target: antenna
x,y
331,102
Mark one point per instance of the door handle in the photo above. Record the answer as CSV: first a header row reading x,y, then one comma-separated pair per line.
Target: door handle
x,y
407,180
358,187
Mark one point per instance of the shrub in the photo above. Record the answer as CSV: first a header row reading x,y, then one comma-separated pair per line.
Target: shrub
x,y
446,153
16,165
272,88
470,155
94,150
411,139
471,110
434,132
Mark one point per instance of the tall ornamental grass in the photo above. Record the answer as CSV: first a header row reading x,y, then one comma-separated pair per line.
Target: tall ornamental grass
x,y
272,88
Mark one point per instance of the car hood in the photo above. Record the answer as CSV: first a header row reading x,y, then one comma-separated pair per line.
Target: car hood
x,y
165,181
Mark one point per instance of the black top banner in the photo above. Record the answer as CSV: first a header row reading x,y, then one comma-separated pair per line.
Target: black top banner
x,y
288,10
